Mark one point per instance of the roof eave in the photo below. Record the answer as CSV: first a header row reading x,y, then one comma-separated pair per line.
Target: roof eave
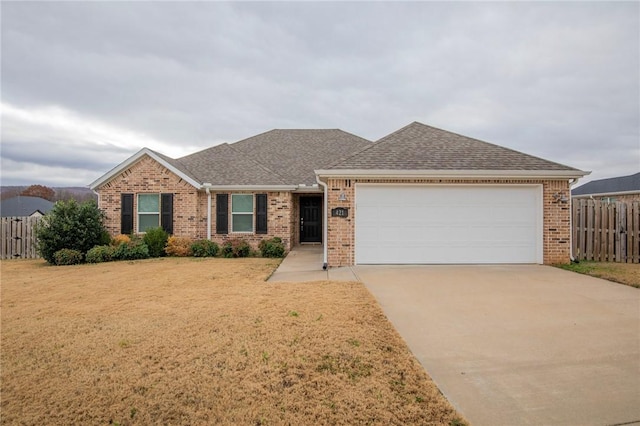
x,y
132,160
273,188
454,174
308,189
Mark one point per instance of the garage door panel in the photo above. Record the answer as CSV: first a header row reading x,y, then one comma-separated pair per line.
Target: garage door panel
x,y
447,224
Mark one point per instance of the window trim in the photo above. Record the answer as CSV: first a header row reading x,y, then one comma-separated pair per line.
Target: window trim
x,y
138,212
251,214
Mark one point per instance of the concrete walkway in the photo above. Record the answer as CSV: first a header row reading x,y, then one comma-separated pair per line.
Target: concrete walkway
x,y
304,263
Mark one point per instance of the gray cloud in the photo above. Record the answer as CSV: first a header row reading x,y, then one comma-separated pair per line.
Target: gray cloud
x,y
557,80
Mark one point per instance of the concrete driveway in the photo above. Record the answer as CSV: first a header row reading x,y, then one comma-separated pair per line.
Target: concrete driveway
x,y
519,345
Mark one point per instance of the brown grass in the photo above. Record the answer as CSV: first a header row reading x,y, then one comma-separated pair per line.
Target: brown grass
x,y
623,273
201,341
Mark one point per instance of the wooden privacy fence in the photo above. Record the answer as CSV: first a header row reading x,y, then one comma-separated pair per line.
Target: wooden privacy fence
x,y
606,232
18,237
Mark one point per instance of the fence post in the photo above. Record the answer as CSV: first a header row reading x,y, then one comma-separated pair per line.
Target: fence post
x,y
594,238
604,219
4,249
582,230
621,228
576,227
633,217
611,242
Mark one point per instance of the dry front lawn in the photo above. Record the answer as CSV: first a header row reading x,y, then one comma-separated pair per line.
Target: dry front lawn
x,y
201,341
623,273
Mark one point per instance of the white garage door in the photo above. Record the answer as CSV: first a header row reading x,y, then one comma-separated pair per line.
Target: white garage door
x,y
404,224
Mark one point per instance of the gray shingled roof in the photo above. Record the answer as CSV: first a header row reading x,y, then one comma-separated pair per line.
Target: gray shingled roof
x,y
295,153
609,186
177,163
276,157
24,206
225,165
289,157
421,147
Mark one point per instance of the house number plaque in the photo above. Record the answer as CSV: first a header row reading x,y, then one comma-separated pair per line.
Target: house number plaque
x,y
340,212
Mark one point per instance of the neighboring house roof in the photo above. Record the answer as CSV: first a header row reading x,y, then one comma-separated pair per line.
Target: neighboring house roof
x,y
418,147
616,185
24,206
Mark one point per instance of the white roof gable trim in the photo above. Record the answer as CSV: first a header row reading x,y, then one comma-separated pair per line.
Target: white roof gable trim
x,y
132,160
454,174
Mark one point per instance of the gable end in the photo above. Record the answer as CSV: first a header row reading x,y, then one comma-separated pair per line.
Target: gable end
x,y
124,169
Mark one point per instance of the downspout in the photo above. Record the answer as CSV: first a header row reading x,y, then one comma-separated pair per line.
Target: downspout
x,y
207,188
325,225
97,195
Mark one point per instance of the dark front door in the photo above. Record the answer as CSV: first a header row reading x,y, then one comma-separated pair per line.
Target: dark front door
x,y
310,219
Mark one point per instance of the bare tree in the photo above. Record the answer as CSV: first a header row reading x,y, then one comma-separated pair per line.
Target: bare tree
x,y
40,191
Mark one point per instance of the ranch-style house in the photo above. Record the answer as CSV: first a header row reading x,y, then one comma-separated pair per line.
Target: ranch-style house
x,y
420,195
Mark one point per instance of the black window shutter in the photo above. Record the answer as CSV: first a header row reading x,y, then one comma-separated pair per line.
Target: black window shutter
x,y
222,213
126,214
166,212
261,213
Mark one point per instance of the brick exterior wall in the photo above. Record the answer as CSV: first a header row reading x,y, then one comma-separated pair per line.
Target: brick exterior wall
x,y
148,176
190,205
340,231
556,216
295,219
190,210
279,219
557,222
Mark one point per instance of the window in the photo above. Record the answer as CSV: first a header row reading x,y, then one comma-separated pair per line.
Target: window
x,y
241,213
152,210
148,211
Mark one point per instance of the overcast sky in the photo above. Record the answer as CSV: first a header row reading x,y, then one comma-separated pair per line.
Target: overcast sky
x,y
87,84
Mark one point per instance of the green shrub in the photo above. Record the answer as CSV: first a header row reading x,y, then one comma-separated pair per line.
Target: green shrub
x,y
70,225
133,250
236,248
272,247
67,257
204,248
178,246
156,240
100,254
